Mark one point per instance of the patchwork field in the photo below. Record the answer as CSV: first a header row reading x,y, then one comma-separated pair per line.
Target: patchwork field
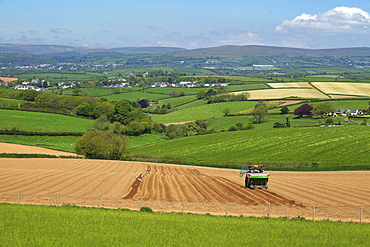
x,y
361,89
289,84
164,187
285,93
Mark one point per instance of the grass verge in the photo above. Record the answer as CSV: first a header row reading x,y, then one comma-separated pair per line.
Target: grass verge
x,y
26,225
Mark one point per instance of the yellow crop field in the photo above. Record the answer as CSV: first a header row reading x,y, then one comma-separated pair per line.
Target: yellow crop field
x,y
285,93
361,89
289,84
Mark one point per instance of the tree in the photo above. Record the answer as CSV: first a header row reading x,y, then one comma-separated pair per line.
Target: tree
x,y
240,125
201,94
104,108
304,109
226,111
260,112
76,92
329,121
144,103
284,110
322,109
102,145
221,90
176,131
122,110
29,95
84,109
176,93
209,93
101,123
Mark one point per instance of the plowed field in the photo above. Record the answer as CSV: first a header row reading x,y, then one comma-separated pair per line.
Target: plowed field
x,y
164,187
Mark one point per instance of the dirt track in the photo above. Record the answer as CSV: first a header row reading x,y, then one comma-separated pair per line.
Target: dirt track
x,y
163,186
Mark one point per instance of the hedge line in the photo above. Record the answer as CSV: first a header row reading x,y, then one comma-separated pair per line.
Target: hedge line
x,y
37,133
14,155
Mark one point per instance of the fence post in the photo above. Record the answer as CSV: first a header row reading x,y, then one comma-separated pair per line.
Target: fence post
x,y
141,202
313,213
183,206
269,210
19,197
361,215
58,199
227,208
99,201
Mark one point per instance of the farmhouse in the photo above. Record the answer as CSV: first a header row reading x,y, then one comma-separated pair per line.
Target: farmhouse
x,y
343,112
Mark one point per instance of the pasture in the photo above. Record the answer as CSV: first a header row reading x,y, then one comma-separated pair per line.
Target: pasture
x,y
42,122
203,111
64,143
9,103
289,148
71,226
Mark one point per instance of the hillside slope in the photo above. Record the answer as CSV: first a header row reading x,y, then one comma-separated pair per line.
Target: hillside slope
x,y
302,148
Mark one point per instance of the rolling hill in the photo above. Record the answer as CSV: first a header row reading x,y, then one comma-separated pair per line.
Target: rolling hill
x,y
52,49
303,148
230,51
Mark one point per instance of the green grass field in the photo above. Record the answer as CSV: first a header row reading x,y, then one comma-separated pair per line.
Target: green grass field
x,y
293,148
80,75
146,139
26,225
66,143
93,92
203,111
219,123
37,121
136,96
246,87
176,102
9,103
62,143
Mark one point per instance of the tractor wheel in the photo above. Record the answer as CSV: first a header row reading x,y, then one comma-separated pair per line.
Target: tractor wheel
x,y
246,183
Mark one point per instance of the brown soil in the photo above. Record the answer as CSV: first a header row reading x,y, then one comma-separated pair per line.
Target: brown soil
x,y
286,103
177,123
7,79
166,187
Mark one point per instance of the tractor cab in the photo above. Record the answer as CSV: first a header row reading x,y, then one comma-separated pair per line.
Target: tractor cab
x,y
255,176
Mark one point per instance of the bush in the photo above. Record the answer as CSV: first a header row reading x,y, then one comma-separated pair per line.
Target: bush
x,y
146,209
102,145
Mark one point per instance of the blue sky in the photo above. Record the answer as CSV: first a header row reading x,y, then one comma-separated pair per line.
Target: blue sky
x,y
187,24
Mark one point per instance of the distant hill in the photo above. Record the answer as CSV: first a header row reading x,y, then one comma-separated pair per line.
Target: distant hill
x,y
220,51
52,49
230,51
139,57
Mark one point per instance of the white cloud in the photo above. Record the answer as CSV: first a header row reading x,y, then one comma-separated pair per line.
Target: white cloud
x,y
337,20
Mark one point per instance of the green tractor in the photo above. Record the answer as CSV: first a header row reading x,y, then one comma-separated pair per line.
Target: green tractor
x,y
255,178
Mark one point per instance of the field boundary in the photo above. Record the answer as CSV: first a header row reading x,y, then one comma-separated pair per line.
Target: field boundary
x,y
164,205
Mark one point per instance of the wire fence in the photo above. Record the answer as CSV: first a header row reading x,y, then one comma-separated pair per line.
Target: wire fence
x,y
312,212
